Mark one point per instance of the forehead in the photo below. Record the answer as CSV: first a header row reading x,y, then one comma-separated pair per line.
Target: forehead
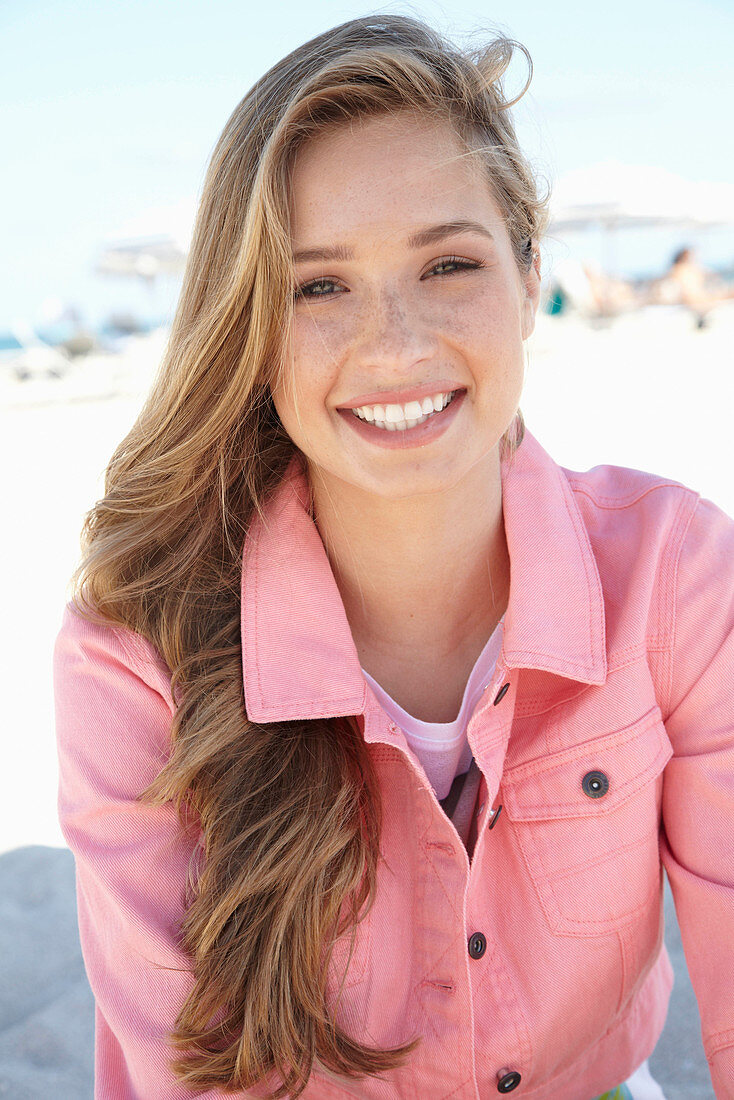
x,y
405,168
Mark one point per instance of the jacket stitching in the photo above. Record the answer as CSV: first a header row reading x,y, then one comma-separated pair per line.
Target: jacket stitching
x,y
426,1015
627,791
593,590
421,840
609,503
535,705
497,977
457,1091
459,916
528,707
672,602
571,668
623,967
627,656
252,553
614,739
722,1040
665,591
589,865
507,994
141,658
569,925
581,1063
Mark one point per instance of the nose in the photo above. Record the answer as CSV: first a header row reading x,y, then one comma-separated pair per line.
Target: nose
x,y
393,333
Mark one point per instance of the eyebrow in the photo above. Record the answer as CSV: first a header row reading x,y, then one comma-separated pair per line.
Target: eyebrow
x,y
430,235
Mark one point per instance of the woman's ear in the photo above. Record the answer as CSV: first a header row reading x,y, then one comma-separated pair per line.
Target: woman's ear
x,y
531,281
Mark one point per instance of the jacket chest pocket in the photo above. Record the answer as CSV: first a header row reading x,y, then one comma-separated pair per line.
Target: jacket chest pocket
x,y
587,820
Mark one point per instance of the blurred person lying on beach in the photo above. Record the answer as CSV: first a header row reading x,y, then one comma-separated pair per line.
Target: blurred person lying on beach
x,y
689,283
376,726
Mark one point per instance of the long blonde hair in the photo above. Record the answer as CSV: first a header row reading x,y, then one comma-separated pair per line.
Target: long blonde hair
x,y
289,811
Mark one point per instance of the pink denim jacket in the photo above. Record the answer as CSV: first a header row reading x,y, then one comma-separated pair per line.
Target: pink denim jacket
x,y
611,749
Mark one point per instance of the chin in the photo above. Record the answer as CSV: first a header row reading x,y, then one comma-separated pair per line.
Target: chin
x,y
416,481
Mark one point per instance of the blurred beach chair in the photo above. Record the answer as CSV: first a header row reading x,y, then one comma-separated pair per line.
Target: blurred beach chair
x,y
24,356
583,288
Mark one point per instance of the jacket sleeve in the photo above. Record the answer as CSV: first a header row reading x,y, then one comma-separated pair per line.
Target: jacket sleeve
x,y
113,718
698,793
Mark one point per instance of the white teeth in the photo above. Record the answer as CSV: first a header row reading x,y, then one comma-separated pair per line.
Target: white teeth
x,y
401,417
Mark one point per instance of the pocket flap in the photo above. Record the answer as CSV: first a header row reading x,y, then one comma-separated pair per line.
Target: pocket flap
x,y
553,787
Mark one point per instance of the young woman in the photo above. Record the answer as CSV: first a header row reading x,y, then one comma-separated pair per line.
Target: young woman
x,y
374,723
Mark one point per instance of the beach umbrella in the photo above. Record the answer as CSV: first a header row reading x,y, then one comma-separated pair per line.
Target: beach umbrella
x,y
143,259
614,196
154,242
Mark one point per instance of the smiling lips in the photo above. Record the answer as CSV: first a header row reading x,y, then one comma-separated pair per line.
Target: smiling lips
x,y
400,418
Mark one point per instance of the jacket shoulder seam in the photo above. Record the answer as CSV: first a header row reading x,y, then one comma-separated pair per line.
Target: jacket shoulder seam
x,y
626,501
722,1040
139,654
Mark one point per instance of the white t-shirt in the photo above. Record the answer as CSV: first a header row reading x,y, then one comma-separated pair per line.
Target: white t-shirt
x,y
442,747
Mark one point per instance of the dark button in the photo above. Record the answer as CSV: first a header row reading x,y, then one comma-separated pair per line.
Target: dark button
x,y
477,945
495,815
501,694
507,1081
595,784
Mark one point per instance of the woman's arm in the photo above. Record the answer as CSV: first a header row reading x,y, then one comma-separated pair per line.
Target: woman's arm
x,y
113,715
698,794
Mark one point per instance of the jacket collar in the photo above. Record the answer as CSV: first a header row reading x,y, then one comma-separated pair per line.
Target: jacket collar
x,y
299,659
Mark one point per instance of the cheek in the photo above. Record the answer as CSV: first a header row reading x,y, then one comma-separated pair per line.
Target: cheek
x,y
316,352
304,386
322,334
489,329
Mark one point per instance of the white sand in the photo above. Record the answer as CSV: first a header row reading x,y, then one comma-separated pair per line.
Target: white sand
x,y
650,392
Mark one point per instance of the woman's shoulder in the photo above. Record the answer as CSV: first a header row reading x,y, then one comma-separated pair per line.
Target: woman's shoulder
x,y
114,711
612,486
661,524
619,502
92,644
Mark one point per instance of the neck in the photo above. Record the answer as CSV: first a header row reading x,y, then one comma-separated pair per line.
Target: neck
x,y
424,580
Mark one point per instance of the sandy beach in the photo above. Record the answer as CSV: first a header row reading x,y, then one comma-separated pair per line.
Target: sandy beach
x,y
648,391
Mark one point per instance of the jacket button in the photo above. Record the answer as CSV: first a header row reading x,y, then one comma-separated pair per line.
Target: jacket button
x,y
501,694
595,784
507,1080
495,814
477,945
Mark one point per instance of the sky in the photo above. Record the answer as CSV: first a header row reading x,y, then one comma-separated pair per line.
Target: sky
x,y
109,109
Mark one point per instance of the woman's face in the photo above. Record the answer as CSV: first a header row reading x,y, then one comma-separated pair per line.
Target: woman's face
x,y
407,296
